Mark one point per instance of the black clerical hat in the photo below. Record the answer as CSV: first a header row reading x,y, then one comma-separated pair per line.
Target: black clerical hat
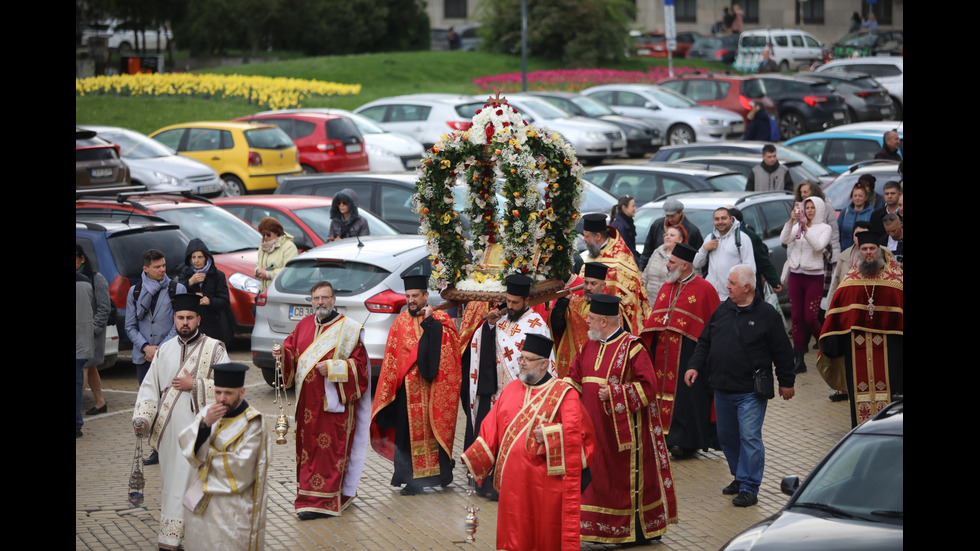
x,y
684,252
230,375
538,344
519,285
187,301
604,305
595,223
596,270
416,282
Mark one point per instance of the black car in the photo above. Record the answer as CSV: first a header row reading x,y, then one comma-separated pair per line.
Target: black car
x,y
715,48
651,182
803,104
866,99
853,499
642,137
869,43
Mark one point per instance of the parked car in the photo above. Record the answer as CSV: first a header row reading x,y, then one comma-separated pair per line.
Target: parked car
x,y
125,40
853,499
468,35
866,99
865,43
655,44
98,164
233,243
248,157
424,117
156,167
593,140
764,211
680,119
721,48
791,48
839,150
642,136
652,181
305,217
326,143
732,92
887,70
743,164
367,281
803,104
387,151
783,153
115,249
839,191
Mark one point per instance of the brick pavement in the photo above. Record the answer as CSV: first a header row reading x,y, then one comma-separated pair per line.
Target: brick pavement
x,y
796,433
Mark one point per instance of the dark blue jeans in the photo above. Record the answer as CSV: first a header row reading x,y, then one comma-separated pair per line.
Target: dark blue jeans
x,y
740,417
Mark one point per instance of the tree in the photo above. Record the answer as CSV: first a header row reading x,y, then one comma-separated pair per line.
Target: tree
x,y
576,32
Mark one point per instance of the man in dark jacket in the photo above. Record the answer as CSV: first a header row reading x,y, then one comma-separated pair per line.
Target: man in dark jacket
x,y
203,278
744,335
673,216
889,151
769,175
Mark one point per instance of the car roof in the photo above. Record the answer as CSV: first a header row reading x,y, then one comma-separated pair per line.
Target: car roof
x,y
714,199
665,167
380,250
877,60
291,115
112,228
396,177
432,97
143,202
223,125
290,202
709,75
887,422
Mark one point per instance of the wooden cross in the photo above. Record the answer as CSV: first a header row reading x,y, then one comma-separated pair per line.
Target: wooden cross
x,y
498,99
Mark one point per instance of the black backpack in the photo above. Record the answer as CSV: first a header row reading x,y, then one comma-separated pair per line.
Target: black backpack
x,y
138,288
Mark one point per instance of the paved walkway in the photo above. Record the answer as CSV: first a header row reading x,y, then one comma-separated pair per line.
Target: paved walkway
x,y
797,434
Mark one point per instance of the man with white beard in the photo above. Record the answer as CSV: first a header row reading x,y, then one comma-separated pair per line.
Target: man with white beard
x,y
680,310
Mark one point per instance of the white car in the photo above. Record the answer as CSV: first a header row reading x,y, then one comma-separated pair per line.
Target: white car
x,y
679,118
887,70
157,167
387,151
791,48
124,41
424,117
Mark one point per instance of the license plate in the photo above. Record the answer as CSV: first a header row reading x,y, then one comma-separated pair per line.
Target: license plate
x,y
101,172
839,115
643,51
300,312
354,148
209,189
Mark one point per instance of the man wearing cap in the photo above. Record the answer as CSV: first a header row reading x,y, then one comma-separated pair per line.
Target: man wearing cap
x,y
673,216
865,326
623,279
325,359
726,247
413,422
631,498
227,445
537,443
680,311
177,386
493,355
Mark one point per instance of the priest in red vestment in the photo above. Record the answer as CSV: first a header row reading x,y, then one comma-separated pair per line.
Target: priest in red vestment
x,y
413,422
536,441
631,498
567,319
325,359
865,326
605,245
682,308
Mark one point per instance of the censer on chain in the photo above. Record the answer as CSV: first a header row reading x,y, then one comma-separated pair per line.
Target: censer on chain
x,y
282,422
136,480
472,522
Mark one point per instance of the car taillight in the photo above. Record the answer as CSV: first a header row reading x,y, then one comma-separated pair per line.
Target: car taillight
x,y
812,101
745,102
866,94
262,298
118,290
254,159
385,302
459,125
331,147
720,53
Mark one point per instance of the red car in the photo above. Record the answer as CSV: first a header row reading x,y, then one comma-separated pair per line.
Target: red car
x,y
732,92
326,143
233,243
655,44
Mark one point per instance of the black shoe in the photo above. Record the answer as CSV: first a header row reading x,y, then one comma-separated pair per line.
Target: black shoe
x,y
78,433
678,452
411,490
310,515
838,396
492,494
153,459
732,488
744,499
96,411
447,478
801,362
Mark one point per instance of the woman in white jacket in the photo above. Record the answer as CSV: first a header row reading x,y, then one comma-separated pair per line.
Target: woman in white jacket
x,y
806,235
655,274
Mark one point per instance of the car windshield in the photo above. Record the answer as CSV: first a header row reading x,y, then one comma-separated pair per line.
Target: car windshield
x,y
839,191
318,219
365,125
671,98
728,182
268,138
596,199
348,278
221,231
127,249
137,146
592,106
790,154
706,44
542,109
863,478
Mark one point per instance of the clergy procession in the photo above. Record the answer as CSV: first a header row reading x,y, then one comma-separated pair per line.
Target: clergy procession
x,y
547,392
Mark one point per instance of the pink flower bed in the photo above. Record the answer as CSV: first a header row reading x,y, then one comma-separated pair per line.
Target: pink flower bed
x,y
573,80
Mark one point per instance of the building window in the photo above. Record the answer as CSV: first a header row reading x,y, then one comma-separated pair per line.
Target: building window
x,y
882,10
811,12
750,9
454,9
685,11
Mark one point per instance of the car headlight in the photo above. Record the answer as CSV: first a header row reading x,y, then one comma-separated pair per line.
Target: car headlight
x,y
712,122
165,179
595,136
374,150
245,283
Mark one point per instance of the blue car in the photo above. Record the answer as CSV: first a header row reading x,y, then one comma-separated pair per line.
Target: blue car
x,y
839,150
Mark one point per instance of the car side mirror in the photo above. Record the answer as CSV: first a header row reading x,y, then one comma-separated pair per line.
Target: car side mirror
x,y
651,105
790,484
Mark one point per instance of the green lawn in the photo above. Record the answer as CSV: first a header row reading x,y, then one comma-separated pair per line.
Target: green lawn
x,y
380,75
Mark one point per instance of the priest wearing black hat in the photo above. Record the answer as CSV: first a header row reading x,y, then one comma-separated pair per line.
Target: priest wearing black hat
x,y
228,447
178,384
631,498
681,308
416,403
533,448
623,278
493,353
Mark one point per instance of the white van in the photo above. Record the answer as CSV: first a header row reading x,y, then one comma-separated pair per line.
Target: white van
x,y
791,48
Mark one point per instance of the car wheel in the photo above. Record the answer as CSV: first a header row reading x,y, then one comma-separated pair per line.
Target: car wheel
x,y
269,374
125,48
791,125
851,116
783,66
233,186
307,169
898,108
680,134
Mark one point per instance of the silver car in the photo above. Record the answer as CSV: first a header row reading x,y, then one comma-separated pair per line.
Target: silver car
x,y
680,119
367,281
424,117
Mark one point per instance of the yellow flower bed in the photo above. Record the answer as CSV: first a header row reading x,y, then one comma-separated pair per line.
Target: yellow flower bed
x,y
275,93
